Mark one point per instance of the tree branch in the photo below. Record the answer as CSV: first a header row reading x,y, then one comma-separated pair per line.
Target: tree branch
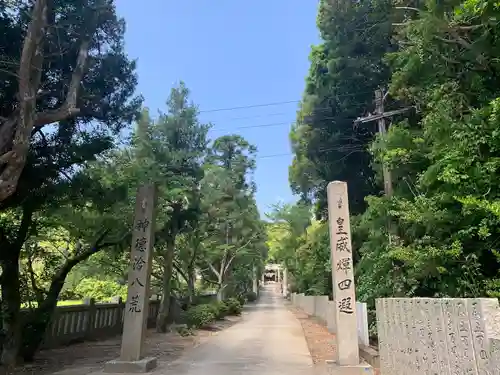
x,y
26,119
24,227
91,250
15,134
32,277
213,269
180,271
68,109
409,8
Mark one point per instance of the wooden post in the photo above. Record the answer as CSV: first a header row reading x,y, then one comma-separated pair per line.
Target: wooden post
x,y
379,109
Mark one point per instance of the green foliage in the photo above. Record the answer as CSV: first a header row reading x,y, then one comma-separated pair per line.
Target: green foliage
x,y
251,296
345,69
72,240
200,316
242,299
234,235
302,246
437,235
67,226
100,290
234,307
221,309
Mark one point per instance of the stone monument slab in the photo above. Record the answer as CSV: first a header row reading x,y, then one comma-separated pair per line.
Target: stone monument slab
x,y
139,274
439,336
347,348
465,342
382,336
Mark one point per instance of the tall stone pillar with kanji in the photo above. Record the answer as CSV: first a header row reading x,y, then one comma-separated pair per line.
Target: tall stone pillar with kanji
x,y
132,359
347,348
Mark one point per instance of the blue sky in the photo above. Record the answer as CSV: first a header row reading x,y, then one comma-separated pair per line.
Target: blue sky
x,y
230,53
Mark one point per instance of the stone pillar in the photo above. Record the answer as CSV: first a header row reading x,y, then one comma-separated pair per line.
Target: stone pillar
x,y
285,283
346,337
137,305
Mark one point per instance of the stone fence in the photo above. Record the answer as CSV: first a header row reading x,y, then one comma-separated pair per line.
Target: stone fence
x,y
323,309
94,321
424,336
438,336
89,321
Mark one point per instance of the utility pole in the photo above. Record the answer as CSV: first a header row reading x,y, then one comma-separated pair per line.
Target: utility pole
x,y
380,117
379,109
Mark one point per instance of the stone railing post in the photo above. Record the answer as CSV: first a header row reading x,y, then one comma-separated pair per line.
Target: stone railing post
x,y
362,316
118,315
91,316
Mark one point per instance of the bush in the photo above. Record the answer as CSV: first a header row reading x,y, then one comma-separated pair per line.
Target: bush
x,y
234,306
100,290
220,309
251,296
200,315
241,299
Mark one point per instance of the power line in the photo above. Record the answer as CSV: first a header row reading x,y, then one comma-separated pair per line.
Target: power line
x,y
351,149
275,155
289,123
277,123
249,106
271,104
258,116
255,126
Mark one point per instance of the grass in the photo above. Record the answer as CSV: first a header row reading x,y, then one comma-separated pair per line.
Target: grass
x,y
59,303
69,302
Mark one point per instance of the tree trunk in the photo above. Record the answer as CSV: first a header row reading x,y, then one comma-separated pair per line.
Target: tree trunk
x,y
33,331
220,294
168,260
220,288
11,297
11,306
190,285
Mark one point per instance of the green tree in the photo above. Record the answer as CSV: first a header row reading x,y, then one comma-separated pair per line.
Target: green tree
x,y
171,153
50,157
443,218
45,87
234,232
446,226
345,70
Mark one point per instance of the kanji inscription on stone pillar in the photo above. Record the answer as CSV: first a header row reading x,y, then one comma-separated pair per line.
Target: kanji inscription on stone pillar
x,y
342,274
139,274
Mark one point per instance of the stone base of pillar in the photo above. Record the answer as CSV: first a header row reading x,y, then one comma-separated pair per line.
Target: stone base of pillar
x,y
141,366
332,368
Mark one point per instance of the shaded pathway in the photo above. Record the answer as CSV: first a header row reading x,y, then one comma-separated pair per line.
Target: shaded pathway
x,y
268,341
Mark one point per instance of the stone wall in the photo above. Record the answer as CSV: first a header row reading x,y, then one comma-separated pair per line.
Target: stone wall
x,y
323,309
438,336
